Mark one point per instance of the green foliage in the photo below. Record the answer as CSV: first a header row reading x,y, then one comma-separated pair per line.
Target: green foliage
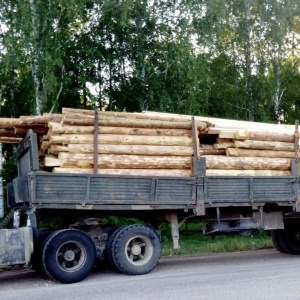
x,y
198,243
221,58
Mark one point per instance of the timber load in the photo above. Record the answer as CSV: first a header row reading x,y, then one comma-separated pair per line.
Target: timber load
x,y
155,144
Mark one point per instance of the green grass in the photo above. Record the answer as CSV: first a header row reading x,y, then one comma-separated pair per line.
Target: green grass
x,y
197,243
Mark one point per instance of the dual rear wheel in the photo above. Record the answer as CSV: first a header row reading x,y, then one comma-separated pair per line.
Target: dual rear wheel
x,y
69,255
134,249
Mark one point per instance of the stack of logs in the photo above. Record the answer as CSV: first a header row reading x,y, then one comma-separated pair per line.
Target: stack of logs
x,y
151,143
126,143
251,148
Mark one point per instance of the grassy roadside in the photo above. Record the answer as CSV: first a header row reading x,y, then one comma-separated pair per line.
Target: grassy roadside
x,y
196,243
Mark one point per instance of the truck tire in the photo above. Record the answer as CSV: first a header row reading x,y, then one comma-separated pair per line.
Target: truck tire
x,y
279,241
68,256
292,237
135,249
40,237
109,248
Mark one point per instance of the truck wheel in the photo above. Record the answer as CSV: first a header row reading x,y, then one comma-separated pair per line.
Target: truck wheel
x,y
109,248
292,237
68,256
135,250
40,237
279,241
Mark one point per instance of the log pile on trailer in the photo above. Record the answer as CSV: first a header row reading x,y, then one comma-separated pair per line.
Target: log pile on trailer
x,y
155,144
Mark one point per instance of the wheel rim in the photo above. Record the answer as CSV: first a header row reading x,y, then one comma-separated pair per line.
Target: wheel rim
x,y
138,250
71,256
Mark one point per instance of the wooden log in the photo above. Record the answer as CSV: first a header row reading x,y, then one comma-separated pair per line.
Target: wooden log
x,y
241,134
44,119
51,161
65,129
133,172
10,140
223,133
259,153
133,149
7,132
224,145
114,139
21,131
135,123
271,136
111,161
55,149
45,145
68,112
221,172
235,124
220,141
263,145
247,163
212,151
9,122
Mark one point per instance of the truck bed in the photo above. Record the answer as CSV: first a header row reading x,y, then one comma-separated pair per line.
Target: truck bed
x,y
112,192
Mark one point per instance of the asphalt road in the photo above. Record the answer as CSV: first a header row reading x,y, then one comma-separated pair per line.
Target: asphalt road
x,y
264,274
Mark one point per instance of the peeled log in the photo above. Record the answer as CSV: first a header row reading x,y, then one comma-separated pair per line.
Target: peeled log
x,y
9,122
133,123
259,153
55,149
247,163
68,112
224,145
269,145
111,161
114,139
247,173
67,129
10,140
133,149
234,124
271,136
134,172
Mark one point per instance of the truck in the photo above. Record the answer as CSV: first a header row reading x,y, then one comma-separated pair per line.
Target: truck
x,y
224,204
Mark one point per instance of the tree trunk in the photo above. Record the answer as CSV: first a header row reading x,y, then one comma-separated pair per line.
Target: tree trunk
x,y
237,152
133,149
247,173
135,123
121,140
269,145
133,172
271,136
247,163
110,161
57,128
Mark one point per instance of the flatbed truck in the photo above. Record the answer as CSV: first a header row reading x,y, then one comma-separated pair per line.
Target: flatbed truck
x,y
225,204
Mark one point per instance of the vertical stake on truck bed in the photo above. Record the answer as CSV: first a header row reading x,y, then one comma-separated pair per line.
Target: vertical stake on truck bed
x,y
96,132
200,209
195,147
296,139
